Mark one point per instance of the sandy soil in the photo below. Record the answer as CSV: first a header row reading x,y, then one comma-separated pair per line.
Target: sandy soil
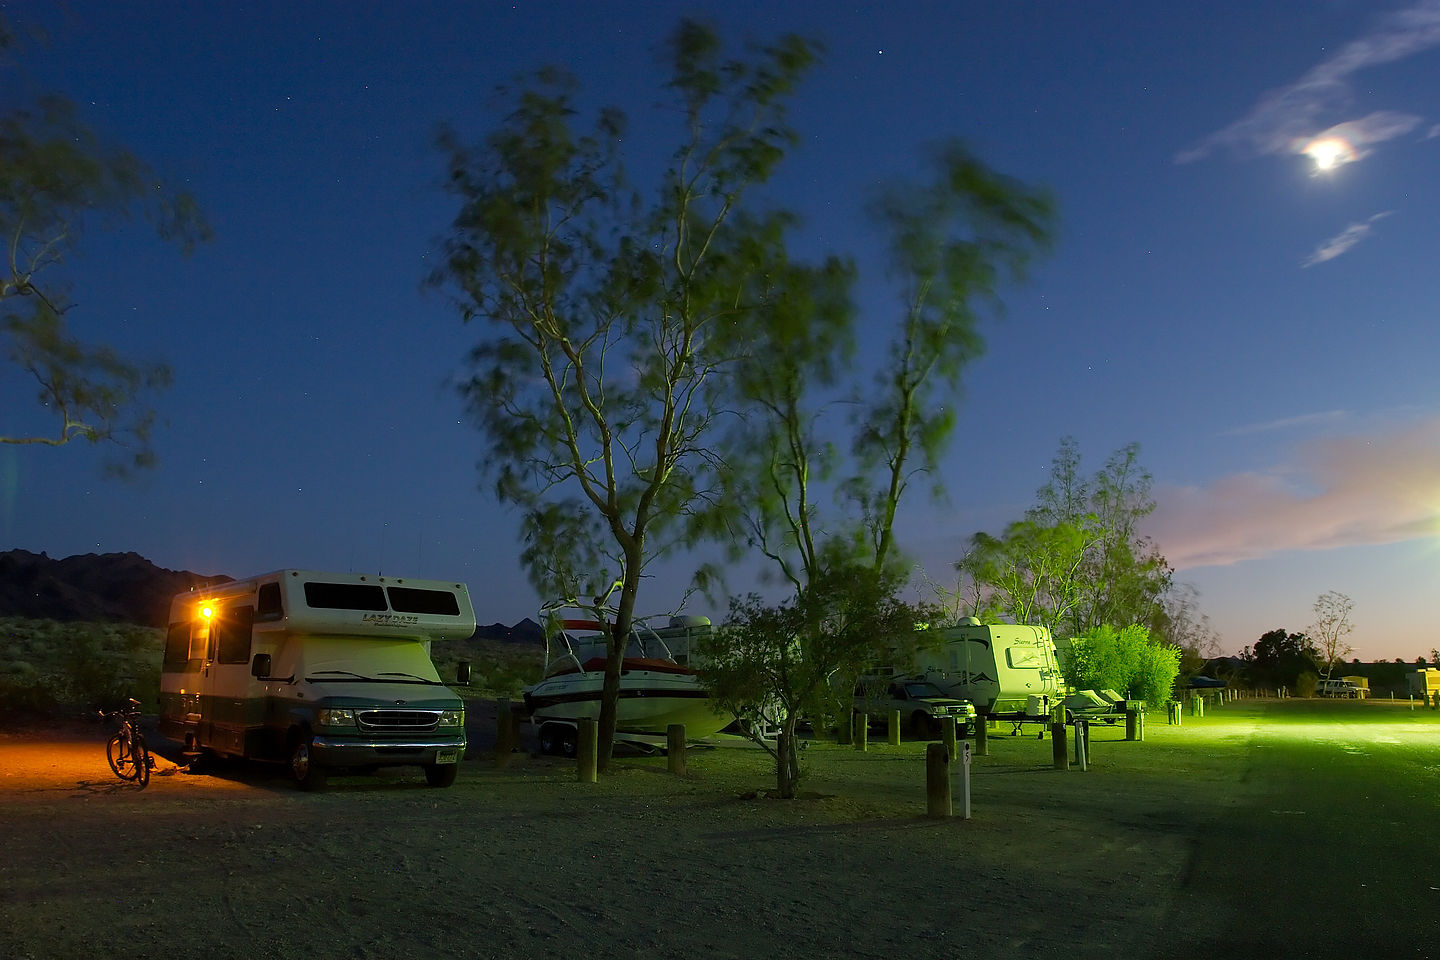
x,y
528,862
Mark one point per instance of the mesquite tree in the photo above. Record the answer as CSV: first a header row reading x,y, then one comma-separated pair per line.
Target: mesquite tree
x,y
55,175
608,317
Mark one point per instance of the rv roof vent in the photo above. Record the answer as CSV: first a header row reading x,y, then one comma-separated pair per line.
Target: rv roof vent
x,y
969,622
689,621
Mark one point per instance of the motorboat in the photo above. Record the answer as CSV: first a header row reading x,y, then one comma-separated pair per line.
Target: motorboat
x,y
657,687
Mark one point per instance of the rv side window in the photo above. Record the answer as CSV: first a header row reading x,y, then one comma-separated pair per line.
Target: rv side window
x,y
270,608
233,627
177,645
344,596
410,600
200,641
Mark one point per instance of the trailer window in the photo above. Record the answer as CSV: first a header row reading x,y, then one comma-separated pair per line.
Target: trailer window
x,y
1023,659
410,600
269,602
177,646
233,628
344,596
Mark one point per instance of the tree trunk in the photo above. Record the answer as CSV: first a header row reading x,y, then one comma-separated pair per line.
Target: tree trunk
x,y
614,659
787,761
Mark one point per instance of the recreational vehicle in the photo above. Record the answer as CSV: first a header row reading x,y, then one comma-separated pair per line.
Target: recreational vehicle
x,y
1003,669
317,670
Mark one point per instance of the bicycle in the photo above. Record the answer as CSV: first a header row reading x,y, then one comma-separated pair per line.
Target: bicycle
x,y
128,755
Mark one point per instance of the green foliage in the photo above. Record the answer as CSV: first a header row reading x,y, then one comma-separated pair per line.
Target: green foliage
x,y
777,663
1076,560
1306,684
56,175
1278,658
49,666
1126,660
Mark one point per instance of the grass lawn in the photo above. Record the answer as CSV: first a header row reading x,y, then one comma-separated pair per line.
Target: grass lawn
x,y
1264,829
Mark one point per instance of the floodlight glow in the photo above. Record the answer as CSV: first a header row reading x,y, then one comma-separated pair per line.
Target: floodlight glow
x,y
207,611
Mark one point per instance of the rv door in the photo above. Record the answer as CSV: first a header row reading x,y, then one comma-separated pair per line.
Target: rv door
x,y
225,679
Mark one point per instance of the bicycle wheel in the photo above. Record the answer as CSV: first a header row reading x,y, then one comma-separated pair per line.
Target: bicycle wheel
x,y
117,751
141,753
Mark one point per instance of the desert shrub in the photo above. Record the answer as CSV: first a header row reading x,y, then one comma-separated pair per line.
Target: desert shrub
x,y
62,667
1305,684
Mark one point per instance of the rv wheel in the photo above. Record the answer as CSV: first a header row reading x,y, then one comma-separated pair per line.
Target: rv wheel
x,y
308,774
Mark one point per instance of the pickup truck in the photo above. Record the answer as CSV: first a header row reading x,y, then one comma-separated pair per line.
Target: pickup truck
x,y
922,705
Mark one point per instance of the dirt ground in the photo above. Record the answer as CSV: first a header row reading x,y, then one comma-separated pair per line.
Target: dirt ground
x,y
1232,835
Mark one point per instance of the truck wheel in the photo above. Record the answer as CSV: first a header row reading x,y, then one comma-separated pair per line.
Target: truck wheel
x,y
308,774
441,774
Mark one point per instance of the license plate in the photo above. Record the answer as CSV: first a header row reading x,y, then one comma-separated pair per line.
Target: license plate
x,y
447,756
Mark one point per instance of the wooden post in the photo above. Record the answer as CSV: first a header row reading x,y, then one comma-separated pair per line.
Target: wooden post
x,y
862,732
675,748
845,733
1132,721
937,781
947,736
1057,737
893,730
587,751
1082,744
505,733
982,739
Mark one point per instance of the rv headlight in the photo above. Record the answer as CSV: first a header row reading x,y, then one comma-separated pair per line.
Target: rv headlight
x,y
452,719
336,718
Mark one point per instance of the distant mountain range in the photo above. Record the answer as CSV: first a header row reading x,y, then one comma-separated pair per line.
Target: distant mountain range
x,y
127,588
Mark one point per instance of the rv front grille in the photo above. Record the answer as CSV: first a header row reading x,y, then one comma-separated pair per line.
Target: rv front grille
x,y
398,721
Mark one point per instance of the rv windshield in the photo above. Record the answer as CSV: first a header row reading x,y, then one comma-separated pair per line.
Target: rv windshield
x,y
345,659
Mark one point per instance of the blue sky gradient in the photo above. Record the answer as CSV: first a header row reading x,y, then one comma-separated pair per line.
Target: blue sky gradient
x,y
1264,328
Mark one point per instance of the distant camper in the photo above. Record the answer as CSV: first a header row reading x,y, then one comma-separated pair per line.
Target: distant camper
x,y
1004,669
317,670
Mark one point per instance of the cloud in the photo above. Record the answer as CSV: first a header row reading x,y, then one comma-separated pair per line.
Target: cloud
x,y
1344,491
1343,241
1288,423
1286,120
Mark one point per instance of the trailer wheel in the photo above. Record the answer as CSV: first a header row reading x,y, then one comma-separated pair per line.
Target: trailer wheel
x,y
558,740
308,774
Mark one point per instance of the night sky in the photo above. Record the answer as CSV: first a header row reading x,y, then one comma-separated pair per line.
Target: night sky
x,y
1245,280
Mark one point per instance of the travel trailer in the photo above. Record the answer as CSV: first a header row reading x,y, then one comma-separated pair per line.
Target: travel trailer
x,y
317,670
1003,669
1423,683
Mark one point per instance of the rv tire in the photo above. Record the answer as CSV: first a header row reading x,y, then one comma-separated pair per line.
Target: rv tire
x,y
441,774
308,774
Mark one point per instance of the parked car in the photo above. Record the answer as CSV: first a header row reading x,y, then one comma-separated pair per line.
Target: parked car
x,y
922,705
1337,688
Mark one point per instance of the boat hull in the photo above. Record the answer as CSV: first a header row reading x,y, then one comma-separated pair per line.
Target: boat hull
x,y
649,702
